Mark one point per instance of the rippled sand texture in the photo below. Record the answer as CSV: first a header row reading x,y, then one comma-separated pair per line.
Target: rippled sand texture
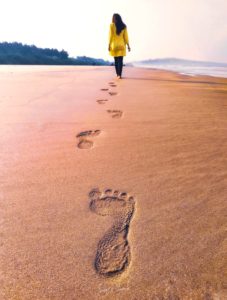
x,y
112,189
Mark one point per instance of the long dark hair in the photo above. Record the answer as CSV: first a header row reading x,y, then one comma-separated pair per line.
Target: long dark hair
x,y
120,25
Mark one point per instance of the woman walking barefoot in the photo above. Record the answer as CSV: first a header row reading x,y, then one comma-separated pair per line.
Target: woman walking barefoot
x,y
118,39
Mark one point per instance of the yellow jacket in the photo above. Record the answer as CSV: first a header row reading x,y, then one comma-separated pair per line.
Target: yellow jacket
x,y
117,42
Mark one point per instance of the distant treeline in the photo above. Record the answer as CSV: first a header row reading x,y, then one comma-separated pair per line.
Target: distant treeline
x,y
19,54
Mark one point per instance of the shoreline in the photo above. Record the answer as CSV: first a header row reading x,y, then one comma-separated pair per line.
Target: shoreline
x,y
184,72
127,65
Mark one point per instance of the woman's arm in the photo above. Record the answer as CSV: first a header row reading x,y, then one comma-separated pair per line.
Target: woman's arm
x,y
110,37
126,39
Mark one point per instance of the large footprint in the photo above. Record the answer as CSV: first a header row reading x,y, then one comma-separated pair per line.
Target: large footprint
x,y
84,143
113,252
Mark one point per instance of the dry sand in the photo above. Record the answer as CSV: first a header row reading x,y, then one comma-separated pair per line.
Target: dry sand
x,y
158,136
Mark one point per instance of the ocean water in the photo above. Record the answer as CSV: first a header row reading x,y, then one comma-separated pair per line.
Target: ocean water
x,y
216,71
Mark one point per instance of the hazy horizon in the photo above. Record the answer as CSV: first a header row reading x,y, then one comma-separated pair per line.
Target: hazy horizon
x,y
194,30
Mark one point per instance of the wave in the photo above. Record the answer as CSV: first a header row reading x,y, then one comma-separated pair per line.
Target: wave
x,y
185,67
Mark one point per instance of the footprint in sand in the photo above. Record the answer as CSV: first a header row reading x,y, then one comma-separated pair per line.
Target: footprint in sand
x,y
102,101
112,84
113,251
105,89
116,114
112,93
84,143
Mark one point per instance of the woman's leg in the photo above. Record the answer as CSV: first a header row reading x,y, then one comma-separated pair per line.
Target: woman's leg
x,y
120,65
116,64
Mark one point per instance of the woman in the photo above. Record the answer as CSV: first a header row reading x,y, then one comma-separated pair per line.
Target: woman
x,y
118,39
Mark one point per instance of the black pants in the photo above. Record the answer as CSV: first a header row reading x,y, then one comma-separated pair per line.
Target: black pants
x,y
118,64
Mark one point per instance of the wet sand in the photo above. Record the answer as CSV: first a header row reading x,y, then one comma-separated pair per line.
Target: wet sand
x,y
117,193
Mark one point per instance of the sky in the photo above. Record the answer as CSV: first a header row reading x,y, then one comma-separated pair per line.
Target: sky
x,y
191,29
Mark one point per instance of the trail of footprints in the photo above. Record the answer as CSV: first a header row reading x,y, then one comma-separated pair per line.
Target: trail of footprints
x,y
116,114
113,251
85,138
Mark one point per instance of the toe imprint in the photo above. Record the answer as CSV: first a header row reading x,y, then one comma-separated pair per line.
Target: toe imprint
x,y
84,143
116,114
113,252
104,89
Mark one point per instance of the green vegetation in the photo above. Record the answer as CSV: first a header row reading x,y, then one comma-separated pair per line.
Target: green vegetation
x,y
19,54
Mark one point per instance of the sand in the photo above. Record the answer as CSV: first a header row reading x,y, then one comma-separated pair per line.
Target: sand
x,y
117,193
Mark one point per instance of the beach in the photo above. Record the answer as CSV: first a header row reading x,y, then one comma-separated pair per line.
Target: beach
x,y
112,189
